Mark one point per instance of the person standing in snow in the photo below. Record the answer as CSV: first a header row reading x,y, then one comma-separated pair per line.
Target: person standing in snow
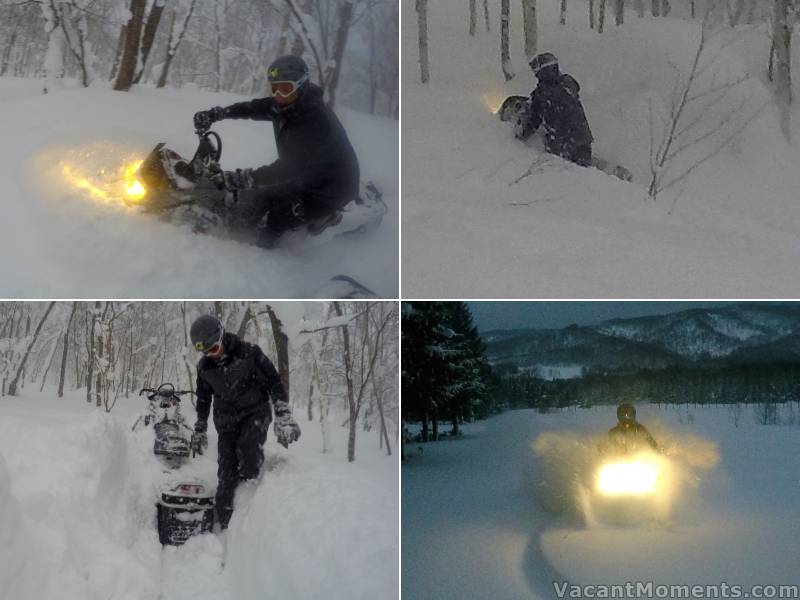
x,y
317,171
246,391
556,107
630,435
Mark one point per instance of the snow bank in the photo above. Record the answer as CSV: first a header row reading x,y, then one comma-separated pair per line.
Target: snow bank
x,y
503,219
65,244
78,489
19,572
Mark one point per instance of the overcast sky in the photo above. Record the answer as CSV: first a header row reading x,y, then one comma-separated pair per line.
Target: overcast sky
x,y
554,315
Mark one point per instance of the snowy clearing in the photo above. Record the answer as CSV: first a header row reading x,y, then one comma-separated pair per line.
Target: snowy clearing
x,y
473,525
60,243
561,231
78,518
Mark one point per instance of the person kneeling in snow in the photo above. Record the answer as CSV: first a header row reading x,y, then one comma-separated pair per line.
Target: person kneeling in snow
x,y
629,435
242,382
316,173
555,106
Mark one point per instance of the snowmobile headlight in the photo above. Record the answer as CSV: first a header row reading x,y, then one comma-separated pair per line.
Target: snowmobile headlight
x,y
635,477
133,187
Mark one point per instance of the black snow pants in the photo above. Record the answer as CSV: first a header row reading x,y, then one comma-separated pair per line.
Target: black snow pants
x,y
240,457
276,209
580,155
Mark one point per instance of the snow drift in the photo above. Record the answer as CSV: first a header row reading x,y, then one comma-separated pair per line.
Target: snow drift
x,y
78,519
504,219
68,244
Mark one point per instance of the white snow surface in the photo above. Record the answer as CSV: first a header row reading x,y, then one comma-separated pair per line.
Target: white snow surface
x,y
59,243
471,229
78,516
474,526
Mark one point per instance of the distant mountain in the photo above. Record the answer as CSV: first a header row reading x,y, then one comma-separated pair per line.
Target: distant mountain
x,y
731,334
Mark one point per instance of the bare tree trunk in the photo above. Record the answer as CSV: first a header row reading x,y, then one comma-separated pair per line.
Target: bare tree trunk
x,y
529,24
173,44
12,388
505,55
782,43
91,360
65,351
473,16
562,13
130,52
619,11
422,36
591,14
601,20
49,363
486,13
282,348
149,35
339,45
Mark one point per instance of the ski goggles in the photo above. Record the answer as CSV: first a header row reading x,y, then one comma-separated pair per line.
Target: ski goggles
x,y
212,349
284,89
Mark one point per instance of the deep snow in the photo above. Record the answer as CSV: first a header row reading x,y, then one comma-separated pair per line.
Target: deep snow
x,y
78,519
471,229
57,242
474,526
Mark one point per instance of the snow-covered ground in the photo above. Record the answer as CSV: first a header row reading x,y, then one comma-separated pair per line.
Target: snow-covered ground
x,y
730,230
78,516
57,242
473,525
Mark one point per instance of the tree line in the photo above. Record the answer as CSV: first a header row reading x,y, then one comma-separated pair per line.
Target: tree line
x,y
226,45
751,383
334,358
446,376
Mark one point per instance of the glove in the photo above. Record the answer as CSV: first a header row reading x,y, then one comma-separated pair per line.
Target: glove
x,y
199,438
285,427
240,179
205,118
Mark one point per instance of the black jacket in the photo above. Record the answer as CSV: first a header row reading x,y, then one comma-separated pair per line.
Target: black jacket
x,y
634,437
315,158
556,106
242,383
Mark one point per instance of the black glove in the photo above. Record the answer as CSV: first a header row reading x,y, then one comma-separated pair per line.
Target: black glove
x,y
205,118
285,427
199,438
240,179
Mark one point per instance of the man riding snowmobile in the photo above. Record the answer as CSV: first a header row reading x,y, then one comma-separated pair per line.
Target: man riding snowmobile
x,y
242,382
317,171
629,435
555,106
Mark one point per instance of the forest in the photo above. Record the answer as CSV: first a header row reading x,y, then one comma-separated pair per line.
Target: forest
x,y
351,46
337,360
446,376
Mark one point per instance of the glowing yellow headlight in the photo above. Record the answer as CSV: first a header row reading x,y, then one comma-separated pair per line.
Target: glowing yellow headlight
x,y
135,190
636,477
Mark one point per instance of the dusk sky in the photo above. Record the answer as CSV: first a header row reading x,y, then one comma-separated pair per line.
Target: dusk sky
x,y
554,315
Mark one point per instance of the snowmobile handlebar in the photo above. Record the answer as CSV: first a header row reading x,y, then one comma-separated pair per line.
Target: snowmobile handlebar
x,y
165,390
209,147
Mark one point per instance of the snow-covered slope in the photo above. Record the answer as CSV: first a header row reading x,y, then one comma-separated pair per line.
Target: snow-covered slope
x,y
473,525
78,518
58,243
475,225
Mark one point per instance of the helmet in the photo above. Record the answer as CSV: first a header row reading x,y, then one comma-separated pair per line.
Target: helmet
x,y
288,76
206,334
626,413
546,61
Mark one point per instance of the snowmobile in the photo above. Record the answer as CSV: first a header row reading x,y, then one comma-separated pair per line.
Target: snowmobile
x,y
185,504
180,191
513,105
